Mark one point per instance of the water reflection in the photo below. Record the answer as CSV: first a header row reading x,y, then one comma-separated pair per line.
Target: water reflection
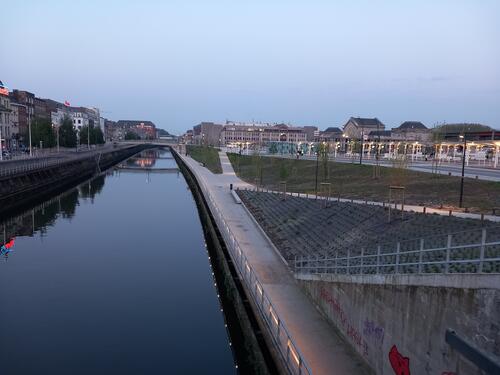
x,y
41,217
111,277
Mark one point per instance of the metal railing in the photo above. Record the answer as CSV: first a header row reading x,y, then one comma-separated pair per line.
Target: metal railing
x,y
450,253
276,327
29,165
13,167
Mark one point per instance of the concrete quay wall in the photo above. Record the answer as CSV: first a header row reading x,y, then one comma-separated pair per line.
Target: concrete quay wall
x,y
398,325
21,189
252,347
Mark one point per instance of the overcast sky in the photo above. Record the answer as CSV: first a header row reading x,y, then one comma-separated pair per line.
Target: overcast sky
x,y
304,62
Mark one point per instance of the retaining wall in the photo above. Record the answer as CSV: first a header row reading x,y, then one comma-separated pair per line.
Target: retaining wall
x,y
23,188
399,327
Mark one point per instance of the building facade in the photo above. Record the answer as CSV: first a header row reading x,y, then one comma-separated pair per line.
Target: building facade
x,y
5,122
357,127
143,129
207,133
27,99
263,134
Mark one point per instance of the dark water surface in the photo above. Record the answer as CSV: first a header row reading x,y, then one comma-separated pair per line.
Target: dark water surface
x,y
112,278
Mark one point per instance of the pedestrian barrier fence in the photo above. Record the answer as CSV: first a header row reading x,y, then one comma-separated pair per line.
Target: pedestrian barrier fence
x,y
287,348
13,167
476,251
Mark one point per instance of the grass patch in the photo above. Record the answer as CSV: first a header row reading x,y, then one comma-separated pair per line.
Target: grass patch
x,y
356,181
208,156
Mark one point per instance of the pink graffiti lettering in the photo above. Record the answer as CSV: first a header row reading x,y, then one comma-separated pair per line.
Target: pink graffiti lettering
x,y
400,364
351,331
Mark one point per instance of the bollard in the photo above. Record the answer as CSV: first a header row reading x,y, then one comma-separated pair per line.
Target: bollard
x,y
230,186
425,209
449,214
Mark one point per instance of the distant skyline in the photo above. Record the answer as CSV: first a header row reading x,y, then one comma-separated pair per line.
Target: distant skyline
x,y
303,62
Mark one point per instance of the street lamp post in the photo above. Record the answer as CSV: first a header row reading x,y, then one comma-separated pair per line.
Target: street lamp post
x,y
29,125
362,146
317,165
463,169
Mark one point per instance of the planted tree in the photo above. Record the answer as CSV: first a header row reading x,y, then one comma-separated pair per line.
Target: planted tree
x,y
42,131
323,150
131,136
67,133
257,166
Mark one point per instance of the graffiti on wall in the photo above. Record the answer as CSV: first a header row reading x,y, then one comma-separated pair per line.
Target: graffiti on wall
x,y
350,330
400,364
373,331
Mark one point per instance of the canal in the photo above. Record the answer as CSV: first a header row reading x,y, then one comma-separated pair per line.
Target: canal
x,y
112,277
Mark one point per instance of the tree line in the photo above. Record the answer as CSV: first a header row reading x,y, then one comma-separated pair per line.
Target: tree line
x,y
43,131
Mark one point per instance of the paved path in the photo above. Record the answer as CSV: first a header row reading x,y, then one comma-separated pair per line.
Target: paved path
x,y
323,349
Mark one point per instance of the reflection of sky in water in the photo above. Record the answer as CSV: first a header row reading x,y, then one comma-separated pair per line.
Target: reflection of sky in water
x,y
111,277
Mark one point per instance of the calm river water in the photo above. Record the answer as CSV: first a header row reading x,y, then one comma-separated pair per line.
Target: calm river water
x,y
112,277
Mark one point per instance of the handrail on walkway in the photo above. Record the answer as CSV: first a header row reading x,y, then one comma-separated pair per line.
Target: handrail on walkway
x,y
287,348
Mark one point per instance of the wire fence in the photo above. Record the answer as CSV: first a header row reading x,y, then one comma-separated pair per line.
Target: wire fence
x,y
287,348
474,251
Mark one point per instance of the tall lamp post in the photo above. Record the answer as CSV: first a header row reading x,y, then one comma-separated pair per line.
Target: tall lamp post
x,y
362,147
317,165
57,134
29,125
463,169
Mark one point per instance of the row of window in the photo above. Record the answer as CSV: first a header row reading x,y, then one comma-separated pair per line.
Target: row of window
x,y
4,118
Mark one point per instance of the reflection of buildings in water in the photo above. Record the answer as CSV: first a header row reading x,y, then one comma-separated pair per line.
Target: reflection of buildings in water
x,y
44,215
146,159
92,187
141,162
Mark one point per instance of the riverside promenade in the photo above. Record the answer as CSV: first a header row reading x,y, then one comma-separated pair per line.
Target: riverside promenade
x,y
323,350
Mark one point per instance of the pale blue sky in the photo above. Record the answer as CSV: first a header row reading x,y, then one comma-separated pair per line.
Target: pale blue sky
x,y
305,62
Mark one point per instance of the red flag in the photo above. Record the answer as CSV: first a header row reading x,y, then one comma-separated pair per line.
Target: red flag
x,y
66,103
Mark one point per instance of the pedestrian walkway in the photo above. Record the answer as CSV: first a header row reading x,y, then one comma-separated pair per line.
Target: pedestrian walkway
x,y
324,351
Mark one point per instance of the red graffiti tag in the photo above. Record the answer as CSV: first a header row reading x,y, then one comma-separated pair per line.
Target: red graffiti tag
x,y
400,364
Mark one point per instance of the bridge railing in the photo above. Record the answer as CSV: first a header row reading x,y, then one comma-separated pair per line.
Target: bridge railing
x,y
475,251
287,348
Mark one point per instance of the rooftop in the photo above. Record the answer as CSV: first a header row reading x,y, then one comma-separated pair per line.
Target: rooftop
x,y
367,122
412,125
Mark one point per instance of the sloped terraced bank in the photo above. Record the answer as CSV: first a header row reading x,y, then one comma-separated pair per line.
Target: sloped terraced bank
x,y
403,292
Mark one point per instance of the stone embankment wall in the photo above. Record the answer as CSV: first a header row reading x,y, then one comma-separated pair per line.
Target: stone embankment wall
x,y
27,187
398,323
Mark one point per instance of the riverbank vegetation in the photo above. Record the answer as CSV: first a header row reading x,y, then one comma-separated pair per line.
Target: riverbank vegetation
x,y
208,156
351,180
